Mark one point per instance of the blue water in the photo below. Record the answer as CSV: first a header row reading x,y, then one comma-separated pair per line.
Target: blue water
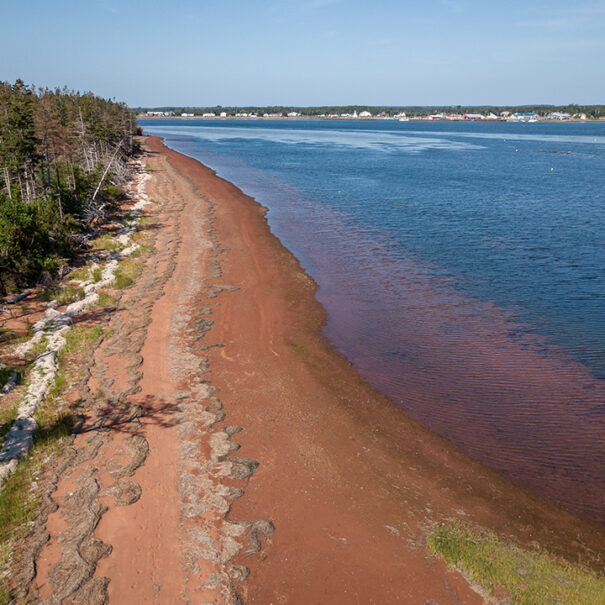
x,y
462,266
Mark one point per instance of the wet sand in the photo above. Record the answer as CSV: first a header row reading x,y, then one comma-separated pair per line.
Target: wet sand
x,y
254,445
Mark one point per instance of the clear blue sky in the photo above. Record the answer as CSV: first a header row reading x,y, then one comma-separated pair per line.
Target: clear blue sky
x,y
310,52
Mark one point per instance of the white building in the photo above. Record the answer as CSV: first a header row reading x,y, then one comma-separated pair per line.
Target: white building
x,y
365,114
523,117
558,115
293,114
223,114
186,115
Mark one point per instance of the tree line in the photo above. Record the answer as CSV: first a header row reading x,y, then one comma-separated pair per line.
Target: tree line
x,y
63,158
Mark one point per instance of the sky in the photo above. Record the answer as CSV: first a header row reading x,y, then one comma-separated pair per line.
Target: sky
x,y
310,52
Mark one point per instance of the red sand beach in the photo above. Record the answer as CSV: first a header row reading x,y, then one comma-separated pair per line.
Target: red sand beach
x,y
234,440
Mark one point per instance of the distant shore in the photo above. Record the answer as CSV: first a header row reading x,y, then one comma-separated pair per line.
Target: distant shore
x,y
358,119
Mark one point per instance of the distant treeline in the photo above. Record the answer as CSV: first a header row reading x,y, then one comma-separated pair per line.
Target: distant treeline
x,y
62,161
591,111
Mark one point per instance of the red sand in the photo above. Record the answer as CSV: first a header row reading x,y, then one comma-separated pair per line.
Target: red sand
x,y
351,484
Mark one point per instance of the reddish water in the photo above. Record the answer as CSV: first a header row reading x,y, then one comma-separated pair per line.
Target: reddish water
x,y
464,369
364,206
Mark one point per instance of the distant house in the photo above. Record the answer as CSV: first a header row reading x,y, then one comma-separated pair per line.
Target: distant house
x,y
365,114
523,117
293,114
186,115
558,115
209,115
223,114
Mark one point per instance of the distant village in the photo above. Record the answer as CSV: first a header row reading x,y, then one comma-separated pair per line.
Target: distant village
x,y
503,116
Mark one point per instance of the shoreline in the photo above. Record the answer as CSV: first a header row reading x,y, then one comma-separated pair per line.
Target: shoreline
x,y
336,394
225,447
373,119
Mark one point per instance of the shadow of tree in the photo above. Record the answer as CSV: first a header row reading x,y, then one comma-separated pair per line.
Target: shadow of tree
x,y
118,416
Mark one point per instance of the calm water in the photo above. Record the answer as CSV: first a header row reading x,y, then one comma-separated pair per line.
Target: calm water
x,y
462,266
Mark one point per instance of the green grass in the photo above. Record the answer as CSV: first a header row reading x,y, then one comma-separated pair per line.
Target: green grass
x,y
8,413
97,274
78,339
65,296
148,168
107,242
7,417
80,274
105,300
20,495
38,348
530,577
126,273
147,220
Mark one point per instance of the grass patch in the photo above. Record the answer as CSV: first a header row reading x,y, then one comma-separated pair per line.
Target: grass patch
x,y
147,220
142,239
148,168
65,296
8,413
97,274
105,300
20,494
7,417
80,274
107,242
78,339
38,348
126,273
530,577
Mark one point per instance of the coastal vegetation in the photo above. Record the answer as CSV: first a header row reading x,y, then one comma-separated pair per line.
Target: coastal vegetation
x,y
523,576
24,491
63,160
